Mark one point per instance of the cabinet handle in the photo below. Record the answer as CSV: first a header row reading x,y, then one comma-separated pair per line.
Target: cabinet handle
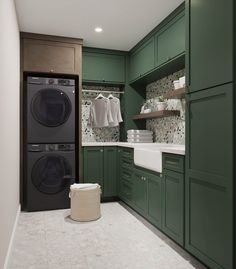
x,y
51,70
101,150
161,175
144,178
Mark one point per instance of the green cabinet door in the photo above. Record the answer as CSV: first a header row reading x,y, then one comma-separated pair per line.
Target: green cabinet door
x,y
154,200
110,170
173,205
103,67
209,176
210,43
118,165
93,165
142,59
140,192
170,42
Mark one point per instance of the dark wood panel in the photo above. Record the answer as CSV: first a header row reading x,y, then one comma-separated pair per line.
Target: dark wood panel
x,y
157,114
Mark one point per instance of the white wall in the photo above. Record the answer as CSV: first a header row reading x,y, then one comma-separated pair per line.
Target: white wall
x,y
9,123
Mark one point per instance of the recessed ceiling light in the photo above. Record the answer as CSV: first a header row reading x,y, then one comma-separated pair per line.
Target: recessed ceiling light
x,y
98,29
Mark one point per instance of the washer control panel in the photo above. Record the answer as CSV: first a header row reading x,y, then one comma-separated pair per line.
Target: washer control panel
x,y
50,147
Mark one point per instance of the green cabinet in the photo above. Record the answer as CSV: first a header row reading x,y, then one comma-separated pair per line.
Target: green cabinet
x,y
154,213
142,59
100,166
140,191
161,52
170,41
147,193
209,176
93,165
110,168
210,43
125,174
173,205
103,67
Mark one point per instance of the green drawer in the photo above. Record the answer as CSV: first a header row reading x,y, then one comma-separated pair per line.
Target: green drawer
x,y
127,153
126,175
126,191
173,162
127,163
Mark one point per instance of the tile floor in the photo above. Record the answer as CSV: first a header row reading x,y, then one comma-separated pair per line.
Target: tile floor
x,y
119,240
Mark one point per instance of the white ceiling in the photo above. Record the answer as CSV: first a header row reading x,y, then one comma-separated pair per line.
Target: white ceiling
x,y
124,22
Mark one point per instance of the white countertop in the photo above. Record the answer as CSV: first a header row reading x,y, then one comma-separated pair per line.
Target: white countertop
x,y
163,147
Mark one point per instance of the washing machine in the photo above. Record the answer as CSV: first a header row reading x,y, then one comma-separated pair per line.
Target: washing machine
x,y
50,172
50,110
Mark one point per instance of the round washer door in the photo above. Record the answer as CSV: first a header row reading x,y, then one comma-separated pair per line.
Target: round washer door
x,y
51,174
51,107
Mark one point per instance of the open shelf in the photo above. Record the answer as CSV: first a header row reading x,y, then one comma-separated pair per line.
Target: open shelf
x,y
157,114
175,94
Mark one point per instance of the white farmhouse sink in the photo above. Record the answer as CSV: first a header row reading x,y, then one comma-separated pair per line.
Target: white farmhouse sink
x,y
149,158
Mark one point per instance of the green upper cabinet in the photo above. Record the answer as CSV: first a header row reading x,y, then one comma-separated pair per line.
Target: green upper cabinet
x,y
210,43
110,168
170,41
142,60
93,165
101,67
161,52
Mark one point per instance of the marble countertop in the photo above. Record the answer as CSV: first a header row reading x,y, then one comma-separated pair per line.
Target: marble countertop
x,y
163,147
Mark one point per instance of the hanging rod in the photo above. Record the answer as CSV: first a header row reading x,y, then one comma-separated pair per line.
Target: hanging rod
x,y
99,91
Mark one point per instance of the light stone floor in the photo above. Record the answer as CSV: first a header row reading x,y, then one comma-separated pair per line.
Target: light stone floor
x,y
119,240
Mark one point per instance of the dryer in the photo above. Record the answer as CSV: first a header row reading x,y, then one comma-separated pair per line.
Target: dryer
x,y
50,110
50,172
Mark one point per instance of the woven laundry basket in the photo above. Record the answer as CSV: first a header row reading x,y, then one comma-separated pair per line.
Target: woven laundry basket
x,y
85,202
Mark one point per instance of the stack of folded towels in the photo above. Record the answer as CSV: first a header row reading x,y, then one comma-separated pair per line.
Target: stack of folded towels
x,y
139,136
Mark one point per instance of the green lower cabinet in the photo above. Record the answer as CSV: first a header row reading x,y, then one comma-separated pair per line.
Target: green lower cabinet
x,y
140,191
126,192
93,165
100,164
209,176
154,213
110,168
173,205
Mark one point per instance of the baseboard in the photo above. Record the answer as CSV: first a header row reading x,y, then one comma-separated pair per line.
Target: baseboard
x,y
12,238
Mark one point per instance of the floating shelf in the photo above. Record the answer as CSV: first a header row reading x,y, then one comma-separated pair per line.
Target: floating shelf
x,y
175,94
157,114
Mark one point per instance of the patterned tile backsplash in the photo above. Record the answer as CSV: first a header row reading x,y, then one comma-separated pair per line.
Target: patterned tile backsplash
x,y
170,129
166,130
89,134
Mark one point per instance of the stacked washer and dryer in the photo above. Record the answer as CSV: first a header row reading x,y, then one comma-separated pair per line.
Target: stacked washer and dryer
x,y
50,165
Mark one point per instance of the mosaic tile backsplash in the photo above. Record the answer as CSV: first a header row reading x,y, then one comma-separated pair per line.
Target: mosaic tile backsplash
x,y
89,134
169,129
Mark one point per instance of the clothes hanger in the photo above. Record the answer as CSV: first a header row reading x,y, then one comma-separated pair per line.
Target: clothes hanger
x,y
110,96
100,96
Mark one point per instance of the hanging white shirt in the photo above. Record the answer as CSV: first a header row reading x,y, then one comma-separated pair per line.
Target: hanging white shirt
x,y
115,111
100,113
